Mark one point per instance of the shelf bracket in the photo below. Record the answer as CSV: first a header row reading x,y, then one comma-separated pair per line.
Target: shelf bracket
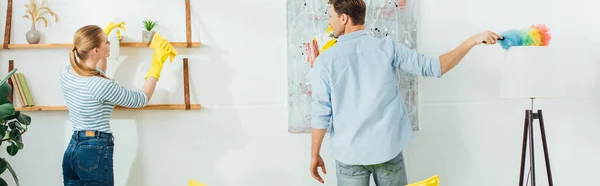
x,y
186,84
7,28
188,24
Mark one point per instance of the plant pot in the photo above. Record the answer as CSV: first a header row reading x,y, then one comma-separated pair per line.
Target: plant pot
x,y
33,35
147,35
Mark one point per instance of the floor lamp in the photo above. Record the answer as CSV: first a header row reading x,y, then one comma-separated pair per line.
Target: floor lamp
x,y
531,72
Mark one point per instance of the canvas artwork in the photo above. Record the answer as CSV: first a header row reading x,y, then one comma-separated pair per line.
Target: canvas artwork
x,y
309,34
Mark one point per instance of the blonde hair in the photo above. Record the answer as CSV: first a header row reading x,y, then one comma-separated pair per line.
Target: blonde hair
x,y
85,39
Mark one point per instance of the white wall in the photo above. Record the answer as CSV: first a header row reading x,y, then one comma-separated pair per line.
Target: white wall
x,y
468,136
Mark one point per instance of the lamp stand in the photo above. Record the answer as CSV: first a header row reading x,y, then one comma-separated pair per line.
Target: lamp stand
x,y
528,133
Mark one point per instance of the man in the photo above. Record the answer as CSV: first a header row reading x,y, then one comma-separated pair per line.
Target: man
x,y
355,92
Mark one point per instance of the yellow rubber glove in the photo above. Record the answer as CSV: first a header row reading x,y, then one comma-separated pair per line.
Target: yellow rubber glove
x,y
162,50
113,25
329,44
431,181
156,42
330,40
195,183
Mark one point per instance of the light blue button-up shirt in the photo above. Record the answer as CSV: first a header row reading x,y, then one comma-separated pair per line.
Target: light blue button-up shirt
x,y
355,92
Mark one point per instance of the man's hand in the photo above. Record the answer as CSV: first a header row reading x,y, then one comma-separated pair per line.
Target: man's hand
x,y
487,37
316,162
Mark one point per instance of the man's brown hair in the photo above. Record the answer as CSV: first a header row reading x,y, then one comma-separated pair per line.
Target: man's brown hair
x,y
356,9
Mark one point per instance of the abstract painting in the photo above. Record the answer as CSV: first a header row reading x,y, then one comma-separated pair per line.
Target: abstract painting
x,y
309,34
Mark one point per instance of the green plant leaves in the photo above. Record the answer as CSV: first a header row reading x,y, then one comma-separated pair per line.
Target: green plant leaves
x,y
15,134
3,165
14,174
7,110
5,90
11,131
24,119
17,140
19,144
15,115
12,125
4,100
149,24
12,149
15,125
2,182
3,130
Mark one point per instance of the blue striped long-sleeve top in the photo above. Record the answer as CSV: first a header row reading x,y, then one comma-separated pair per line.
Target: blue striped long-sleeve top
x,y
91,100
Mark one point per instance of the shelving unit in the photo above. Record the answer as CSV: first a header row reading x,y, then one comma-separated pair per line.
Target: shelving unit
x,y
122,44
149,107
188,44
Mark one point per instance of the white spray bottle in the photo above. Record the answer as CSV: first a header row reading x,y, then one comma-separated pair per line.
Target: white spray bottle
x,y
114,44
114,39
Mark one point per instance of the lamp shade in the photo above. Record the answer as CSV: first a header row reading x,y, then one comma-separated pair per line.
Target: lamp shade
x,y
531,72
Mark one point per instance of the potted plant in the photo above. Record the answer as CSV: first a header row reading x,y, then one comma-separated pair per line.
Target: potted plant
x,y
13,124
148,33
35,12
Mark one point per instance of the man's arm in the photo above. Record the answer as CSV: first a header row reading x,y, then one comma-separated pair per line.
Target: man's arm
x,y
418,64
320,115
412,62
317,140
321,106
315,158
450,59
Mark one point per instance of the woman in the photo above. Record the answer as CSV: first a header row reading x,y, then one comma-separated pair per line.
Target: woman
x,y
90,97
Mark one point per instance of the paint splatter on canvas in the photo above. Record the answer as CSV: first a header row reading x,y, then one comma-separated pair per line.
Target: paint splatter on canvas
x,y
309,34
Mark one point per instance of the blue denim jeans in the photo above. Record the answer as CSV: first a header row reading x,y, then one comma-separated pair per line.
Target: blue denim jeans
x,y
390,173
88,160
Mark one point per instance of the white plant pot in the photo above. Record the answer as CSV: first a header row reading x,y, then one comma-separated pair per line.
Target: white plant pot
x,y
147,35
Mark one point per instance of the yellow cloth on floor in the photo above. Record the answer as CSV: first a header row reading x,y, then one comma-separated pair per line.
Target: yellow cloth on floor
x,y
431,181
162,50
195,183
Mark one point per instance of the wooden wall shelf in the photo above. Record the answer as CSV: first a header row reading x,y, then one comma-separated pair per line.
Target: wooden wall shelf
x,y
186,95
188,44
7,33
148,107
122,44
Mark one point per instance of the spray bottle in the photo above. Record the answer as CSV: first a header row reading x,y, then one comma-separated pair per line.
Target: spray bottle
x,y
113,32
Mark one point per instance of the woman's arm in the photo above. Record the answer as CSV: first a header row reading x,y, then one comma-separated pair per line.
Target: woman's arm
x,y
149,86
103,89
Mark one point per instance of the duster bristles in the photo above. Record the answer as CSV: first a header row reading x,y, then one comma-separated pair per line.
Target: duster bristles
x,y
535,35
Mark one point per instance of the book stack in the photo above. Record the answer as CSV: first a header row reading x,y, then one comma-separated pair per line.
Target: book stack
x,y
21,90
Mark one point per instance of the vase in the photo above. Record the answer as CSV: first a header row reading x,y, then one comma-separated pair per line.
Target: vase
x,y
147,35
33,35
